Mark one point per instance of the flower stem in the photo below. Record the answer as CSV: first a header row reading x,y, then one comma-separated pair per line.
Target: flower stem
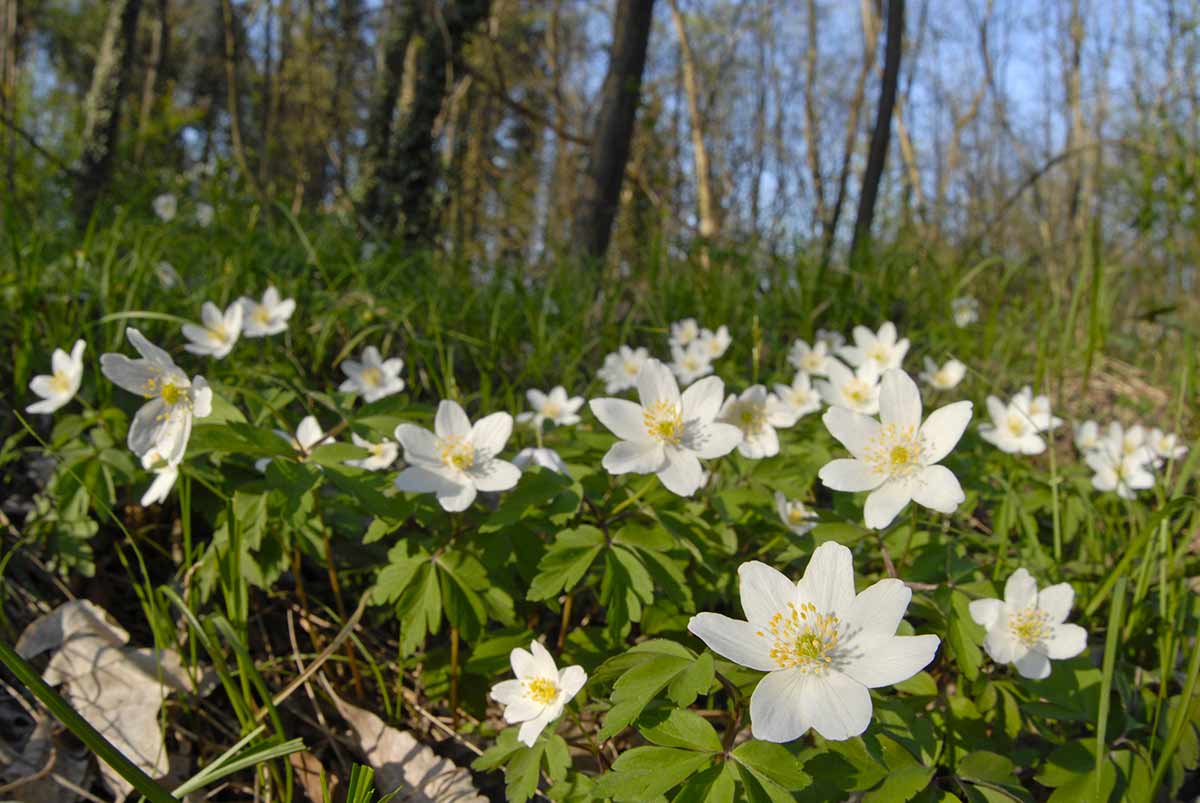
x,y
629,500
454,676
566,620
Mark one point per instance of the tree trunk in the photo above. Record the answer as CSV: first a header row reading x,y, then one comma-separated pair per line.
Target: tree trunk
x,y
102,109
705,201
619,99
883,129
160,39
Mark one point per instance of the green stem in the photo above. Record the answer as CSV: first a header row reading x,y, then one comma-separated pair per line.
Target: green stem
x,y
1110,658
1178,722
629,500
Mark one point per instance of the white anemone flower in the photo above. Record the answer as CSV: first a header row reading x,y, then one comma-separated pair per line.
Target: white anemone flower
x,y
62,383
218,334
539,693
832,340
268,317
553,406
164,423
165,474
541,456
379,455
165,206
668,432
799,397
456,460
1011,429
690,363
823,646
684,332
797,516
812,360
896,458
881,348
715,344
757,413
204,215
308,435
621,368
168,277
1128,444
1037,408
1087,436
1027,628
965,310
946,377
1165,445
856,390
1122,474
373,378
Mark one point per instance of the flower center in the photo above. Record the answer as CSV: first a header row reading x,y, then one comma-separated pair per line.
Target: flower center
x,y
857,391
171,394
664,422
879,353
750,418
1016,425
60,382
261,315
371,377
895,451
541,690
551,409
219,332
1030,626
797,514
632,368
804,639
457,452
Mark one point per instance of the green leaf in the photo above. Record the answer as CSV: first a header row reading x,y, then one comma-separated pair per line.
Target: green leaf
x,y
773,762
921,684
566,561
643,773
679,728
394,578
964,635
419,608
464,608
522,772
900,785
693,681
983,765
633,690
713,785
1068,761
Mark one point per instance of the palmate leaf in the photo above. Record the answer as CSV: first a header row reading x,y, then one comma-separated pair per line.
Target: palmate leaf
x,y
566,561
643,773
642,672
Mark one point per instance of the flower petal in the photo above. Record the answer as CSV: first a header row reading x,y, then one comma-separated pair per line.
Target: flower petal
x,y
656,383
490,433
986,612
543,661
507,692
777,711
849,474
628,457
733,639
495,475
837,706
899,400
710,439
937,489
1000,644
451,420
1066,641
1056,601
533,728
943,429
419,444
765,591
702,399
1020,591
828,581
131,375
886,501
570,680
624,418
522,709
522,662
1033,665
875,614
892,661
682,473
854,430
455,500
420,480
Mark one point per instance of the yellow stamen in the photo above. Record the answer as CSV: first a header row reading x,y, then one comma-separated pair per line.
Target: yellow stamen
x,y
457,452
664,422
1031,626
804,638
372,377
541,690
171,394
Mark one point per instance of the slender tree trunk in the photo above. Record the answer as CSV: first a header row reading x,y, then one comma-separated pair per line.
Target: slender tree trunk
x,y
233,99
706,205
883,129
160,38
102,109
619,99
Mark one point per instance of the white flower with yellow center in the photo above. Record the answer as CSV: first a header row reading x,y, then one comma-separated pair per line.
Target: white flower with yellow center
x,y
832,340
1087,436
1165,445
856,390
62,383
541,456
714,344
684,332
881,348
1011,429
554,407
164,423
165,206
539,693
1027,627
668,433
946,377
823,646
1127,444
308,436
379,455
797,516
1037,408
896,458
800,397
965,310
373,378
268,317
456,460
621,368
812,360
691,363
1123,474
218,334
165,474
757,413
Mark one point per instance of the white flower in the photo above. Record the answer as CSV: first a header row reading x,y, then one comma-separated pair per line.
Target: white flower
x,y
1037,408
684,332
691,363
456,460
621,368
798,517
540,692
880,347
204,215
168,277
667,432
1087,436
553,406
757,413
832,340
896,458
165,474
812,360
822,646
857,391
546,458
164,423
220,332
269,317
165,206
965,310
1027,628
308,435
945,378
715,344
1125,474
1165,445
379,455
1011,429
799,397
374,378
1128,444
62,383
